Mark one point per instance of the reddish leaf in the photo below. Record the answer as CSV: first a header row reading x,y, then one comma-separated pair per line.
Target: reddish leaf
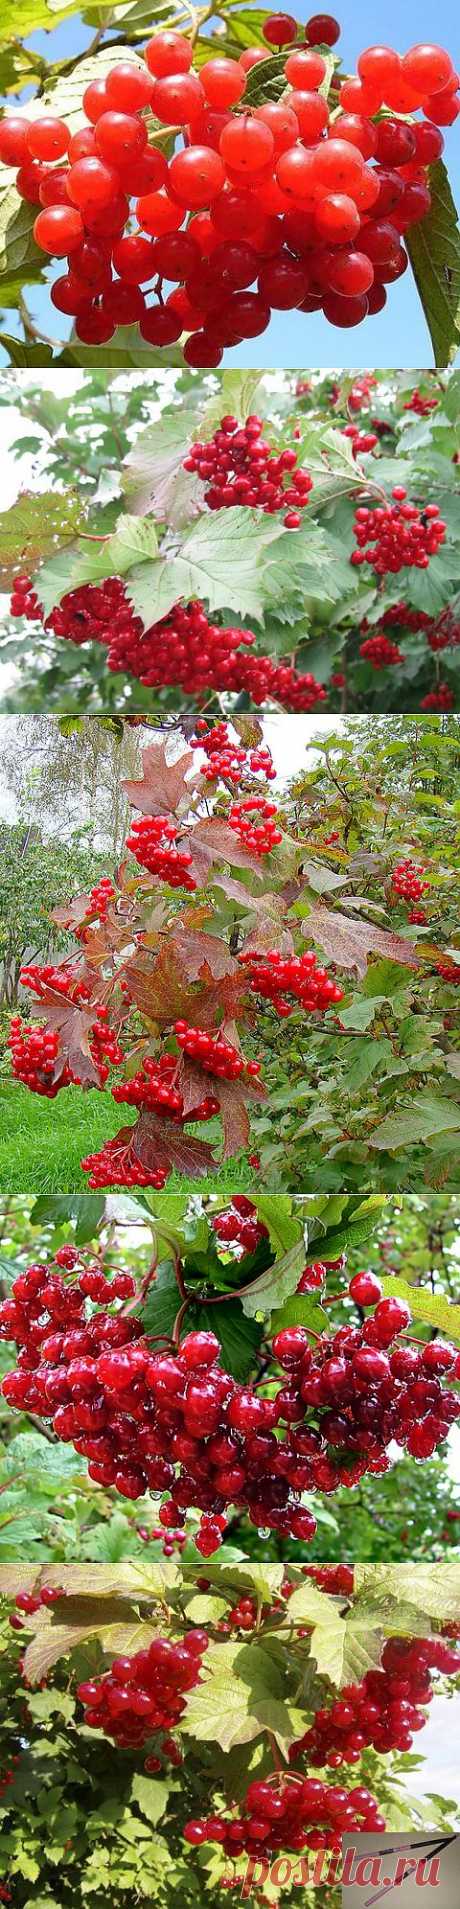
x,y
194,1082
267,932
163,786
164,994
74,1025
200,952
213,841
71,914
160,1143
349,942
101,938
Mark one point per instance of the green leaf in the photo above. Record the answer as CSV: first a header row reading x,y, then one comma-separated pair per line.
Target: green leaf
x,y
241,1695
34,527
432,1588
276,1285
85,1211
345,1651
134,540
44,1704
18,251
153,476
367,1058
275,1211
302,1309
236,396
162,1303
434,251
222,560
203,1609
151,1796
433,1308
130,352
411,1122
309,1605
32,1453
239,1336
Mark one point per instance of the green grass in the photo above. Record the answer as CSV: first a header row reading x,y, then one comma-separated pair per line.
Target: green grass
x,y
43,1141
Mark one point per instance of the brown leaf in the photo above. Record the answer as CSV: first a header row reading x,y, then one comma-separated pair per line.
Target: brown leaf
x,y
267,932
198,951
266,912
163,784
160,1143
249,729
164,993
349,942
194,1083
236,1124
213,841
72,913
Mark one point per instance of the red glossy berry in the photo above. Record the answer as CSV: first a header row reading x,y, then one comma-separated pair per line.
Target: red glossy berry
x,y
58,230
365,1289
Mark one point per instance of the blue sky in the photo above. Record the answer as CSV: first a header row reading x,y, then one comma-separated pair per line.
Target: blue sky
x,y
397,336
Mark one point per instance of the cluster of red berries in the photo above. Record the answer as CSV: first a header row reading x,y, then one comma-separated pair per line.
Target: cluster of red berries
x,y
100,898
360,396
118,1164
380,652
442,632
46,1058
396,536
313,1279
174,1421
28,1602
401,615
39,1063
213,1054
361,441
291,1812
170,1540
182,651
338,1579
276,976
421,405
238,467
242,1617
441,698
145,1693
449,971
364,1394
152,839
307,208
227,761
239,1226
385,1710
407,880
35,1059
261,837
154,1088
